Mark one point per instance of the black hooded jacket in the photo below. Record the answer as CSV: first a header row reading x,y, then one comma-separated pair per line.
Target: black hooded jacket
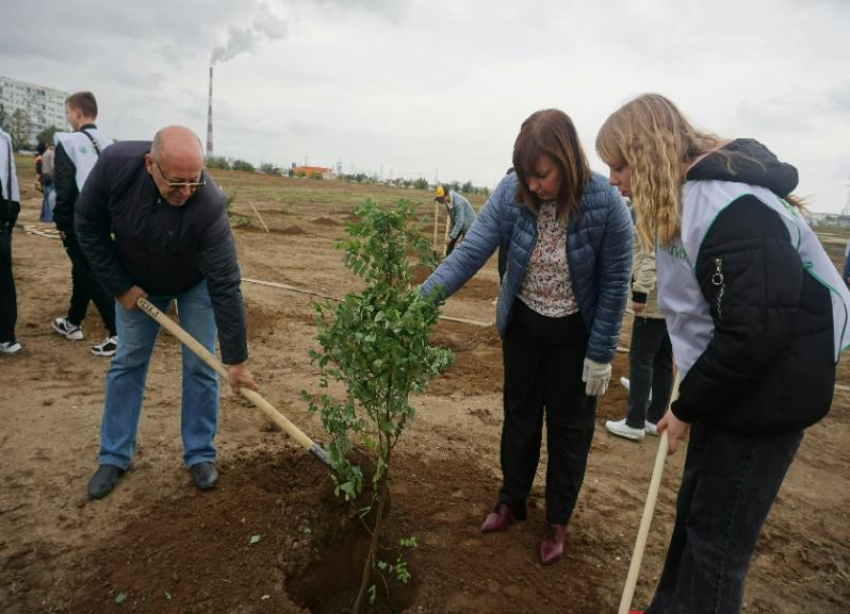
x,y
65,184
132,236
769,367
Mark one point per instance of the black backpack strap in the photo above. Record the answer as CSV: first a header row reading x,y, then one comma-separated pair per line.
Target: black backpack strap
x,y
93,142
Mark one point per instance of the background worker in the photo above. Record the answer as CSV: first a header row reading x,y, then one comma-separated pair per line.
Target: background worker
x,y
154,224
75,155
461,215
650,354
10,207
47,170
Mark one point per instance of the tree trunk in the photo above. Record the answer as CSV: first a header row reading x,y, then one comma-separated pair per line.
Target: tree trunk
x,y
369,564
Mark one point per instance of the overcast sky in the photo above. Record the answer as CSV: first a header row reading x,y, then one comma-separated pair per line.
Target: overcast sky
x,y
439,89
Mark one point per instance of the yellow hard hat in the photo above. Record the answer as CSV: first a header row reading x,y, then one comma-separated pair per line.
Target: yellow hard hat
x,y
440,192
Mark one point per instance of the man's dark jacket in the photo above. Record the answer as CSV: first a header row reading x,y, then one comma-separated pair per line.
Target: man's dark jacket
x,y
132,236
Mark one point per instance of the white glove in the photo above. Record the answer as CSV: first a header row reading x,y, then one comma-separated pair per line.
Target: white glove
x,y
596,375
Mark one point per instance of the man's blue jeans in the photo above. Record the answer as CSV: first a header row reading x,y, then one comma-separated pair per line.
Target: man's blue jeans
x,y
125,382
728,487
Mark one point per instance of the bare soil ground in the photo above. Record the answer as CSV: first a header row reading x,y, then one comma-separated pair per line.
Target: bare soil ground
x,y
158,545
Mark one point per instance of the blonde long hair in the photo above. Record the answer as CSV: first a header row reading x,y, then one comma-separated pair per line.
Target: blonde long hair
x,y
654,139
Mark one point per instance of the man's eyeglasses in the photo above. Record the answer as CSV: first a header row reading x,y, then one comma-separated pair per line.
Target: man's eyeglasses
x,y
176,185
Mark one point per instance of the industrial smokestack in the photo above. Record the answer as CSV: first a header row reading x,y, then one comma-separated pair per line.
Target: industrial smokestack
x,y
209,119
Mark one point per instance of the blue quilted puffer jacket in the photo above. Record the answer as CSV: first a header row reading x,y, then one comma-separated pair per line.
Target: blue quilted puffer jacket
x,y
599,254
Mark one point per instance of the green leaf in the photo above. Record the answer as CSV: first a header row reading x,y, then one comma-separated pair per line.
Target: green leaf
x,y
254,539
120,598
168,595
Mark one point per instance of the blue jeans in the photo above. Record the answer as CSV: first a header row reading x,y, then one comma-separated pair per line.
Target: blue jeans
x,y
46,208
650,368
728,487
125,382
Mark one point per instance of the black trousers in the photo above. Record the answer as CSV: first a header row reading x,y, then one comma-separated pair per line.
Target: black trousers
x,y
8,295
543,360
650,368
728,487
86,287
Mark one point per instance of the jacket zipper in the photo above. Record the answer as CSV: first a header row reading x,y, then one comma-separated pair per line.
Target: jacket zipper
x,y
717,281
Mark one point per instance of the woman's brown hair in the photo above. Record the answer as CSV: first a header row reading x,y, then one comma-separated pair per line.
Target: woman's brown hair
x,y
551,133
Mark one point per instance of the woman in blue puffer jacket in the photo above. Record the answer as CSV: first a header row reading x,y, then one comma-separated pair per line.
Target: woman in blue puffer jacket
x,y
568,238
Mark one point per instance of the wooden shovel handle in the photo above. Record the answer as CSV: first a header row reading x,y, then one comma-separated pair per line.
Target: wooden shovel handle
x,y
646,519
267,408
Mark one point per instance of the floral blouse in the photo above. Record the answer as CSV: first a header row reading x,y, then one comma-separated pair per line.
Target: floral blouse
x,y
547,287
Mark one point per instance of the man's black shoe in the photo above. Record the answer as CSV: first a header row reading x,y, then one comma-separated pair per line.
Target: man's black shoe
x,y
103,481
204,475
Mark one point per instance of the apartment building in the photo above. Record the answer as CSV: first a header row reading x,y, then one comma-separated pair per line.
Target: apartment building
x,y
44,105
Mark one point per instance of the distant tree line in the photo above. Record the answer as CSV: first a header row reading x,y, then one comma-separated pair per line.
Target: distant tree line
x,y
413,184
420,183
222,163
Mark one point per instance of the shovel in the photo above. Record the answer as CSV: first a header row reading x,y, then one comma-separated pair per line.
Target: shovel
x,y
648,510
267,408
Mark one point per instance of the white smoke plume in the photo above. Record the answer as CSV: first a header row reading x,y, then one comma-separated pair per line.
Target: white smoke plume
x,y
265,25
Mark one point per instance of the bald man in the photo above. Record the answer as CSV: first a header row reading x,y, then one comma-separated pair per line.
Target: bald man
x,y
153,224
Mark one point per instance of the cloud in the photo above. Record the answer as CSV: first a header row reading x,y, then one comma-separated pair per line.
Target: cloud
x,y
838,98
265,25
394,10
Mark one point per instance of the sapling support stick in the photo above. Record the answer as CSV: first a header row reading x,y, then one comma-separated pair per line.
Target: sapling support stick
x,y
260,217
436,224
446,234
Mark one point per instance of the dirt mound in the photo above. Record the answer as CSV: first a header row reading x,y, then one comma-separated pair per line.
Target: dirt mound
x,y
291,230
272,537
260,320
477,368
477,288
324,221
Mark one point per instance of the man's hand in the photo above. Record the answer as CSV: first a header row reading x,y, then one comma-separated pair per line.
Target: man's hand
x,y
596,375
129,298
638,307
238,376
449,240
676,430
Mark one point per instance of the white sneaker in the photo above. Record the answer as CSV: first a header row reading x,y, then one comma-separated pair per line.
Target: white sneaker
x,y
621,429
651,428
10,347
107,348
66,329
